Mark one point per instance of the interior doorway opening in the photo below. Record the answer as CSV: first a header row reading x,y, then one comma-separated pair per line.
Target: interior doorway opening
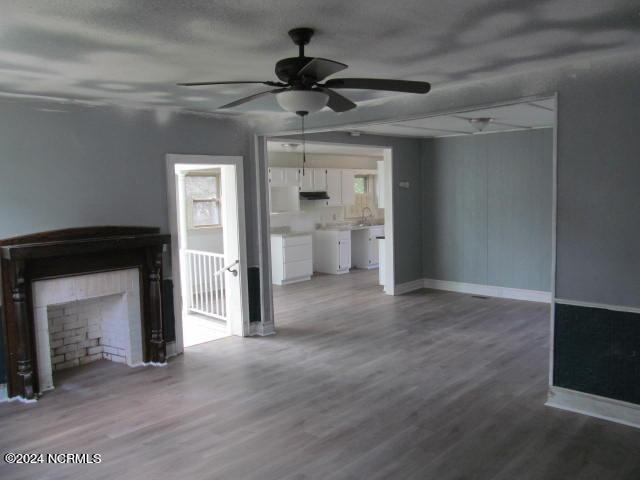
x,y
329,215
208,248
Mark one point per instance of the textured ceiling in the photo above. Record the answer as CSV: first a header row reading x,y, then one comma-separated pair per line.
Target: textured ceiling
x,y
132,52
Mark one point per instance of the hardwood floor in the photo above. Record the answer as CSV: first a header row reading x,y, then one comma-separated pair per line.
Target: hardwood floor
x,y
355,385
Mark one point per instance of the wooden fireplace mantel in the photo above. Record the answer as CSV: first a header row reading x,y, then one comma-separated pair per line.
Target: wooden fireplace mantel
x,y
74,252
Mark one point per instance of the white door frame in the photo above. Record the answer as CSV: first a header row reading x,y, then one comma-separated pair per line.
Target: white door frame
x,y
240,326
261,155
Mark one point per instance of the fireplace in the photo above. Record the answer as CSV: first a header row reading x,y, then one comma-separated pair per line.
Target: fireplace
x,y
78,295
85,318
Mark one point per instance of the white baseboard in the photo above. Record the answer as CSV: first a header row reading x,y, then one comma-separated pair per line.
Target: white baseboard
x,y
488,290
594,406
3,392
402,288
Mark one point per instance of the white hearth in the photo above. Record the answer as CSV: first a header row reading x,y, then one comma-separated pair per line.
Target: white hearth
x,y
85,318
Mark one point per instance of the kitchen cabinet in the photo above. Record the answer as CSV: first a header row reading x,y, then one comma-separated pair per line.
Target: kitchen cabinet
x,y
313,180
291,258
319,179
332,251
306,180
364,246
283,177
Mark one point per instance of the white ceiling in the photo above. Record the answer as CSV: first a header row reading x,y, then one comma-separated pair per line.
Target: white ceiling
x,y
132,52
278,145
539,114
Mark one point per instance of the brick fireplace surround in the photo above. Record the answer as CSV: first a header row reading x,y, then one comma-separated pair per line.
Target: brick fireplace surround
x,y
46,269
85,318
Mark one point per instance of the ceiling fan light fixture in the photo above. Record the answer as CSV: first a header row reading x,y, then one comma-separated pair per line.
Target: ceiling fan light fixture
x,y
308,101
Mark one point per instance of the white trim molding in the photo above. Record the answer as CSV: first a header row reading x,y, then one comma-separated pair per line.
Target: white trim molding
x,y
402,288
594,406
489,290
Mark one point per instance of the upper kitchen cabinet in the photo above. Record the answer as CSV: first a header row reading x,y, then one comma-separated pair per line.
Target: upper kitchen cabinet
x,y
313,180
320,179
283,177
306,180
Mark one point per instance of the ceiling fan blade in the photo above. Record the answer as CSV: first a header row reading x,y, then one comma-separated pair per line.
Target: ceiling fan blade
x,y
235,103
337,102
406,86
320,68
199,84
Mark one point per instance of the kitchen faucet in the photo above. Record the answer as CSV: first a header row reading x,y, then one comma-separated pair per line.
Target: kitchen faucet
x,y
364,219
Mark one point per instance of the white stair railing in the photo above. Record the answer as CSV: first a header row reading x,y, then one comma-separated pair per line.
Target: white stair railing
x,y
206,286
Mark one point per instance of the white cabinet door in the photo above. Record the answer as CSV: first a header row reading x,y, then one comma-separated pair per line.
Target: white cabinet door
x,y
373,250
291,177
306,180
348,194
334,187
320,179
380,184
344,255
276,177
377,231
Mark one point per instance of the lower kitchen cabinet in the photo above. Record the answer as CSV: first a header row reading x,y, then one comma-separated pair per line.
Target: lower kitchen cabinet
x,y
332,251
291,258
364,246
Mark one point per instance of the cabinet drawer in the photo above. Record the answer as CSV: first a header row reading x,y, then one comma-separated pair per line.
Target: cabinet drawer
x,y
303,268
296,253
297,240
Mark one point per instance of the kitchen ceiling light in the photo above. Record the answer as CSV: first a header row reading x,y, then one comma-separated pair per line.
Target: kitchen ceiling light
x,y
480,123
302,101
290,146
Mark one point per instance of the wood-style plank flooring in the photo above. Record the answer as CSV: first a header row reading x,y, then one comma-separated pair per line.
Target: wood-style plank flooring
x,y
355,385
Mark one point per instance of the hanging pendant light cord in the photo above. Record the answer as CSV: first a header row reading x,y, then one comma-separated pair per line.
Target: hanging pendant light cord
x,y
304,147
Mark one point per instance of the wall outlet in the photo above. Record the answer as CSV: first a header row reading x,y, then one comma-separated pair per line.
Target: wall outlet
x,y
404,184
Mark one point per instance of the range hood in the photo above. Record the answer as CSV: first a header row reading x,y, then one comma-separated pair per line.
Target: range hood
x,y
314,195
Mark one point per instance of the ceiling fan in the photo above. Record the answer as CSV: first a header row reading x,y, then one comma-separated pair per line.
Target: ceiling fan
x,y
299,89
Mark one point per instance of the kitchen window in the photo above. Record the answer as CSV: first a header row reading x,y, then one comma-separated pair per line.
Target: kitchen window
x,y
363,196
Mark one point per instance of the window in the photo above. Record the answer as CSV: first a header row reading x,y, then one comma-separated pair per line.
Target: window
x,y
203,200
360,185
363,196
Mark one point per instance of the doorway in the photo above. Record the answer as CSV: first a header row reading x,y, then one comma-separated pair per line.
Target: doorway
x,y
329,217
206,217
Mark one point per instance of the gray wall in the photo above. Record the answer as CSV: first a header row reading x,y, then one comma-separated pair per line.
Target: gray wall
x,y
96,166
407,215
72,166
487,202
